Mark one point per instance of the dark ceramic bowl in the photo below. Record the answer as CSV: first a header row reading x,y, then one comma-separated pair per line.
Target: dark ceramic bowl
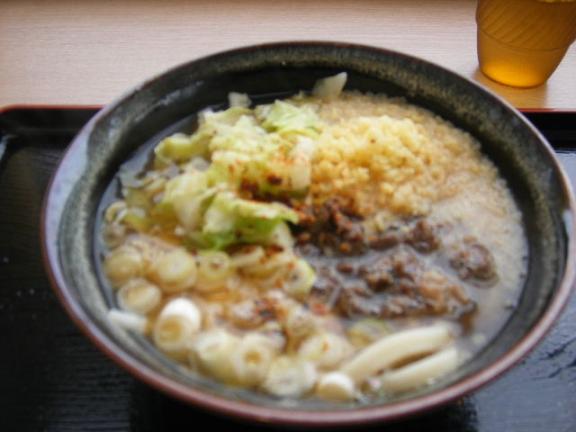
x,y
523,156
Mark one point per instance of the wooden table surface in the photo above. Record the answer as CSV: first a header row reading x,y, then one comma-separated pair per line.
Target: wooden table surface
x,y
82,52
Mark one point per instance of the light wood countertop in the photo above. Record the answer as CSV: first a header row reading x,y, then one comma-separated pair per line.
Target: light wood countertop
x,y
84,52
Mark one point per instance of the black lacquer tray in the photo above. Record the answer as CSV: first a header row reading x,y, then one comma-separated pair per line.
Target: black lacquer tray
x,y
53,379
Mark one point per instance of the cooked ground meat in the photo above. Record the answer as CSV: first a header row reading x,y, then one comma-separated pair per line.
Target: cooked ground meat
x,y
401,284
353,305
400,280
442,295
397,306
405,264
335,227
423,237
303,238
332,226
386,240
472,260
420,235
380,275
345,267
379,280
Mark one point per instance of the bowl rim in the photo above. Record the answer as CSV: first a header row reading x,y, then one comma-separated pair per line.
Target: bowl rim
x,y
288,416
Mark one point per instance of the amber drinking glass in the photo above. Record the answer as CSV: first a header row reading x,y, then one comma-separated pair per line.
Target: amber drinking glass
x,y
522,42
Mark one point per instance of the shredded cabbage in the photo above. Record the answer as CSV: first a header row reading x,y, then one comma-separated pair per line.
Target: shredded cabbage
x,y
185,198
234,156
239,100
244,136
268,149
330,88
286,118
230,219
180,147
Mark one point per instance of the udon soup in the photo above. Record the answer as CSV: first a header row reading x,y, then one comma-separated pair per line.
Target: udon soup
x,y
333,244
